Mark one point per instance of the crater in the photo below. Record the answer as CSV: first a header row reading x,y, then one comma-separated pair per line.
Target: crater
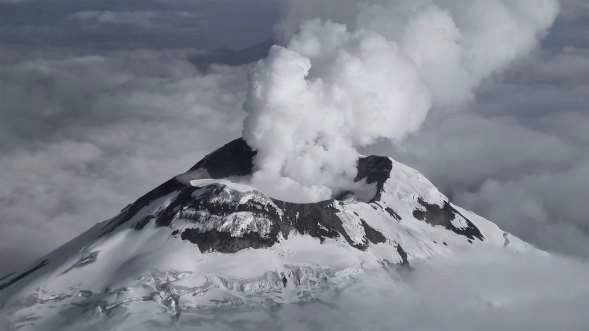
x,y
235,161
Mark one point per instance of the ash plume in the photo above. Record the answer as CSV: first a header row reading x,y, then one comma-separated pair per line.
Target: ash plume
x,y
352,72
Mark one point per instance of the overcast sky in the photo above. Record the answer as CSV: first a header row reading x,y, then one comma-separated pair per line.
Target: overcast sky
x,y
102,100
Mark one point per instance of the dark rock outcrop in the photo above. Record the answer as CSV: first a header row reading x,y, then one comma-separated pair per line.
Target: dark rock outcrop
x,y
233,159
443,216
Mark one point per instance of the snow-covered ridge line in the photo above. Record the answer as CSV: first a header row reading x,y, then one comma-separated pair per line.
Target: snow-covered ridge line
x,y
205,239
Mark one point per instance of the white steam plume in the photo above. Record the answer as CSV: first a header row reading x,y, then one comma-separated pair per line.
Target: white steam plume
x,y
356,71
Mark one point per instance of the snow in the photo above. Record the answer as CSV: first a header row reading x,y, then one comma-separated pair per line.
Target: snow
x,y
237,223
229,184
156,275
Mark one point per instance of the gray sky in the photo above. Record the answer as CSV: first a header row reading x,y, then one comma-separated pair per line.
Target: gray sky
x,y
101,101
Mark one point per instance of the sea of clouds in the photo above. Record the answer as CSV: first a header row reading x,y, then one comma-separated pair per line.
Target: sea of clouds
x,y
101,101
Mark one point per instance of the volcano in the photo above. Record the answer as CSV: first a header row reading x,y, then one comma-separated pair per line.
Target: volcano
x,y
205,239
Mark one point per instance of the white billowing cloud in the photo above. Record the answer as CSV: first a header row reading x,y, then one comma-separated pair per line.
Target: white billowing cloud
x,y
373,73
304,119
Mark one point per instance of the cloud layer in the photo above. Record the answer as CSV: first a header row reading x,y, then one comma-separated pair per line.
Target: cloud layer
x,y
94,115
76,150
497,291
86,129
95,111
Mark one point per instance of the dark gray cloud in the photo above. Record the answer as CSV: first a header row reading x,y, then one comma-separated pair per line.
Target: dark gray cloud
x,y
99,25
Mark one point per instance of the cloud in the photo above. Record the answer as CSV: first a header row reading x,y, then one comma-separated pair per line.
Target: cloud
x,y
474,148
143,19
83,136
92,118
520,156
305,130
338,86
97,26
101,103
139,18
554,218
482,292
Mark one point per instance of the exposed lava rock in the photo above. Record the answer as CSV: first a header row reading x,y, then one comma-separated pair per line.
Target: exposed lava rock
x,y
233,159
393,214
318,220
224,242
375,169
373,235
436,215
403,255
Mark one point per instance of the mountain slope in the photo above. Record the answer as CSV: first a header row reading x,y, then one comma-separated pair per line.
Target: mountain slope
x,y
205,240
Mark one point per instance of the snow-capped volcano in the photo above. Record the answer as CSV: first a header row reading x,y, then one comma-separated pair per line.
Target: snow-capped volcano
x,y
205,240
